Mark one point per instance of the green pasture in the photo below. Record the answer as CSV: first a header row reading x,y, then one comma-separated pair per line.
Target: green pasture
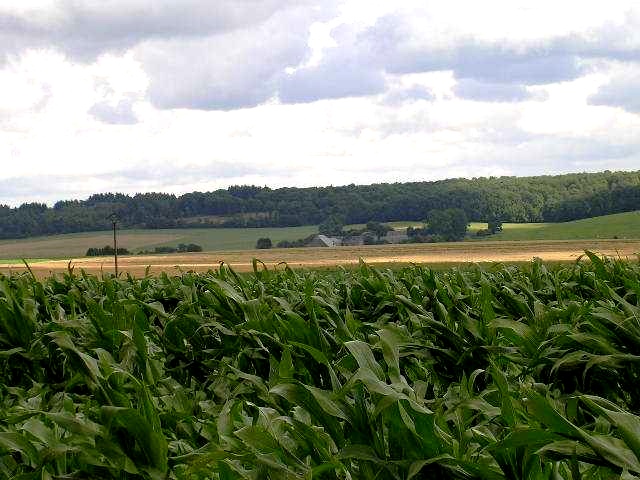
x,y
211,239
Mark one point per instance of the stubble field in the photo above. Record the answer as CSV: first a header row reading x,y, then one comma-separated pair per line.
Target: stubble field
x,y
430,254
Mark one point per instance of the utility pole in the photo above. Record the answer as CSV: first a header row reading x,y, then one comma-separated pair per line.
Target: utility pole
x,y
114,220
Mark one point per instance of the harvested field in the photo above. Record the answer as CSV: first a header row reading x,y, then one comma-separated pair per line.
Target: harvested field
x,y
434,253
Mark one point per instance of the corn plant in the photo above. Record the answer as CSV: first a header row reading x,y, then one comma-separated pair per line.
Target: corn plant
x,y
502,372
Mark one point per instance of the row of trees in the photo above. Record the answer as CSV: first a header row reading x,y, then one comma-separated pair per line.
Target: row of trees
x,y
512,199
106,250
333,226
181,248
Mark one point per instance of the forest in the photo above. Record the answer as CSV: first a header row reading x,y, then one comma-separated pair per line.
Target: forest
x,y
510,199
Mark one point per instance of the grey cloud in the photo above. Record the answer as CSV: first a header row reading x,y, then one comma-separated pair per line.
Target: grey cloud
x,y
198,54
490,71
86,29
237,69
471,89
613,41
391,44
339,74
330,81
529,68
622,91
119,114
399,96
231,54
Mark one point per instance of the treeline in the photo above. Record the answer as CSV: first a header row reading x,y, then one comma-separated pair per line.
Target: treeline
x,y
512,199
181,248
106,250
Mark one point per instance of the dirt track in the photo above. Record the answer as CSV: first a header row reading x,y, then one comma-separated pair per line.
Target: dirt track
x,y
440,253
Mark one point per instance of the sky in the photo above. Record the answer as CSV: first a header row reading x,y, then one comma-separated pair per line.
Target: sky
x,y
184,95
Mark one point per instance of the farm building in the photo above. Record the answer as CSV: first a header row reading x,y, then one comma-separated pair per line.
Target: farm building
x,y
396,236
353,241
324,241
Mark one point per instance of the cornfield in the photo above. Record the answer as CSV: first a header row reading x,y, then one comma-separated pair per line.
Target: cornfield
x,y
505,372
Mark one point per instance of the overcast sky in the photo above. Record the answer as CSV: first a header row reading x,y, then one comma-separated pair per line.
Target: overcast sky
x,y
183,95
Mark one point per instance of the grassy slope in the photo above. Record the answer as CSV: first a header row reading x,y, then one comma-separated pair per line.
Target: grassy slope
x,y
211,239
621,225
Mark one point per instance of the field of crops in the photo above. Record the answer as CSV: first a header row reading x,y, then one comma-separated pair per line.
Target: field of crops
x,y
510,372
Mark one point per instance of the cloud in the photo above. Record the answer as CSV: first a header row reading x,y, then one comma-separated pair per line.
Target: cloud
x,y
237,69
399,96
487,69
196,55
237,54
119,114
622,91
328,81
85,29
471,89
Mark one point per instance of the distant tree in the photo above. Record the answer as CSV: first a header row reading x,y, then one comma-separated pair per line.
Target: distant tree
x,y
264,243
378,229
450,223
284,244
494,225
191,247
332,226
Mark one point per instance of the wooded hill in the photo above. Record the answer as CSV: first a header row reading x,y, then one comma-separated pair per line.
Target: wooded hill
x,y
511,199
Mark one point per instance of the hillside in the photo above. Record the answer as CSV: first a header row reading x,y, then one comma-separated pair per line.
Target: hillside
x,y
211,239
620,225
556,198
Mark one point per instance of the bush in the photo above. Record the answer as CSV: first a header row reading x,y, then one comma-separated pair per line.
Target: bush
x,y
106,250
191,247
264,243
378,229
301,242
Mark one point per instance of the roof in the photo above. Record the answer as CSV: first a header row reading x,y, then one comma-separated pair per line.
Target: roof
x,y
329,241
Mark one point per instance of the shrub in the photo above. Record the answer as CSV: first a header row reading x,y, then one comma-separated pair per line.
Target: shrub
x,y
264,243
105,251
